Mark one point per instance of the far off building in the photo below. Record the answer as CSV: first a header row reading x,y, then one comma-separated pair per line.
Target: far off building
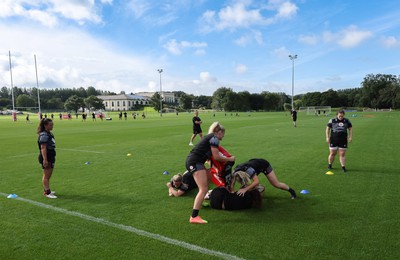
x,y
167,96
123,101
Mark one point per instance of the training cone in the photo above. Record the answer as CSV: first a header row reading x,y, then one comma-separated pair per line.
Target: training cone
x,y
166,172
12,196
87,162
329,173
304,192
128,154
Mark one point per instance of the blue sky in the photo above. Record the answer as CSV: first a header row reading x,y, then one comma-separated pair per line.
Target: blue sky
x,y
201,45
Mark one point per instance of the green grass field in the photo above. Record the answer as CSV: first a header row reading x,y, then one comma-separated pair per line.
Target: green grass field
x,y
345,216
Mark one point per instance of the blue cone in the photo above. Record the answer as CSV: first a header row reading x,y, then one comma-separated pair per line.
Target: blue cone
x,y
12,196
87,162
304,192
166,172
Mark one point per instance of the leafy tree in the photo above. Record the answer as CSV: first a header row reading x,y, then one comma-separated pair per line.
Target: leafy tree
x,y
5,102
74,103
330,98
54,103
312,99
91,91
202,101
5,93
93,103
25,100
155,101
272,101
185,101
256,102
219,98
377,88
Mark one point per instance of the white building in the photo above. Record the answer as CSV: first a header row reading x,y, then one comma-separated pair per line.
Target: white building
x,y
168,97
123,101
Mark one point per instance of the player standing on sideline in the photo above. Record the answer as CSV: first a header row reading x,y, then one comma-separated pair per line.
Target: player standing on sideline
x,y
253,168
27,118
207,147
196,127
47,156
93,116
294,116
337,138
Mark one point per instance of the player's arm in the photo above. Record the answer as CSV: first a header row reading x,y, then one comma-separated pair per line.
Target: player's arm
x,y
217,156
255,182
43,149
350,134
327,133
176,193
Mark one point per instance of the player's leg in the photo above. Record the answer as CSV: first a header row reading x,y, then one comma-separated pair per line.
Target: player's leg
x,y
331,157
280,185
201,178
342,158
192,138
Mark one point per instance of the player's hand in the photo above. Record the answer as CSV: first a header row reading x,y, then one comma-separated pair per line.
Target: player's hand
x,y
45,164
168,184
241,192
232,158
350,139
327,140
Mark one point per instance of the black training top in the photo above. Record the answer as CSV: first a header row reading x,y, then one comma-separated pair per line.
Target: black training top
x,y
196,126
48,139
202,151
254,167
339,127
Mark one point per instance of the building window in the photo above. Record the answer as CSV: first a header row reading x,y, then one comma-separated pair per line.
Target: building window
x,y
123,103
117,103
106,104
112,103
129,103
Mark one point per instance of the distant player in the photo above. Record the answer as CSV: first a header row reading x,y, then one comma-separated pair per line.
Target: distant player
x,y
221,198
253,168
196,127
294,117
337,138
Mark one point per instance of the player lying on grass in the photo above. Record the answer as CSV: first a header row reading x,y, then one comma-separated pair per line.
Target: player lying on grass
x,y
253,168
222,198
180,184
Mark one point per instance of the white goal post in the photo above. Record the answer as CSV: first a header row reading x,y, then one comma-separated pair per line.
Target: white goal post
x,y
317,110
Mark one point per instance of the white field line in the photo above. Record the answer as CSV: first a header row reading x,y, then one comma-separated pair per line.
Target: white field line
x,y
131,229
78,150
23,155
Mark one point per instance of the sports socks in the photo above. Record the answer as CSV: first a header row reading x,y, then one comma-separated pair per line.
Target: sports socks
x,y
195,213
292,192
47,192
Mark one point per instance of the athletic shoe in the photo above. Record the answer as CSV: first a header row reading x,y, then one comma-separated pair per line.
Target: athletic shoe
x,y
293,193
329,166
344,169
51,196
52,192
191,144
197,220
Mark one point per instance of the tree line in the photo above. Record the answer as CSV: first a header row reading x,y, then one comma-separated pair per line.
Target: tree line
x,y
375,91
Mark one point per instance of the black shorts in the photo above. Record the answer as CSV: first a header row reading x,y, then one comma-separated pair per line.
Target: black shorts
x,y
188,179
197,130
336,143
220,198
51,158
193,165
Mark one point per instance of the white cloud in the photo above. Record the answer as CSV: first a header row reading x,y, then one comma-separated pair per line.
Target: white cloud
x,y
249,38
347,38
63,61
139,7
390,42
240,14
309,39
240,68
207,77
177,48
48,12
281,52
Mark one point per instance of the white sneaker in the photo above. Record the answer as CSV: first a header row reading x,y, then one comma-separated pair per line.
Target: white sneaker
x,y
191,144
52,192
51,196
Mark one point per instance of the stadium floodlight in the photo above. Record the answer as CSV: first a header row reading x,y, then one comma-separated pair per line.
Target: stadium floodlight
x,y
160,71
293,57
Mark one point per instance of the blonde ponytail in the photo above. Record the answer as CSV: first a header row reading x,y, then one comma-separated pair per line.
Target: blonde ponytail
x,y
216,127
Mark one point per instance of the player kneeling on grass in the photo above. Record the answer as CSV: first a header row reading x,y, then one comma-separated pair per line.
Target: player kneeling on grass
x,y
253,168
179,185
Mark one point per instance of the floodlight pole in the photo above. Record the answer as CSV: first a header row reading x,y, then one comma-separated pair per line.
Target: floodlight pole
x,y
161,98
293,57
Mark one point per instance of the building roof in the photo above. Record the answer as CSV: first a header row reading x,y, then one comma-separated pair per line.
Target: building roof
x,y
123,97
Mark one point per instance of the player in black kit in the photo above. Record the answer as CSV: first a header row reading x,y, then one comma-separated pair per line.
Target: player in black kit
x,y
337,138
196,127
207,147
253,168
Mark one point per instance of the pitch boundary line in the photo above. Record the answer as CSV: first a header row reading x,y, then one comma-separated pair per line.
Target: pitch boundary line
x,y
77,150
130,229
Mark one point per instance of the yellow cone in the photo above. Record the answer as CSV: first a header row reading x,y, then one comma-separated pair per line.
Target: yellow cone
x,y
329,173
